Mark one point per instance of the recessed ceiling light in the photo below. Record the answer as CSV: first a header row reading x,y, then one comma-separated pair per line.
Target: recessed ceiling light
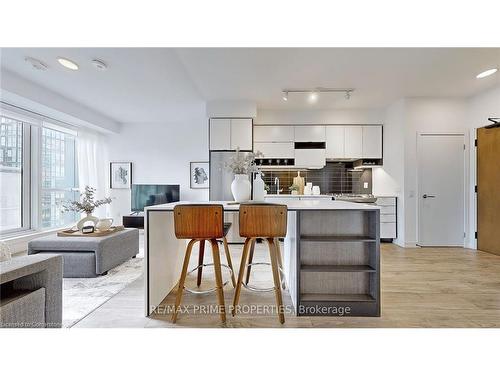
x,y
67,63
487,73
313,97
99,64
35,63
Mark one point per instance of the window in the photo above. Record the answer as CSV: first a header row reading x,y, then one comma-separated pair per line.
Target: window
x,y
58,176
38,172
14,175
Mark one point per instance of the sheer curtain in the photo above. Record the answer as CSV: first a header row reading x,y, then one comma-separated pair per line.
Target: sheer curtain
x,y
93,164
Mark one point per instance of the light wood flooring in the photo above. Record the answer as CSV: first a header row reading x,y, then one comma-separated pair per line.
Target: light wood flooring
x,y
431,287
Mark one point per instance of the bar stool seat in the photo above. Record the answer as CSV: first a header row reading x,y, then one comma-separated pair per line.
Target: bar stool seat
x,y
268,221
201,222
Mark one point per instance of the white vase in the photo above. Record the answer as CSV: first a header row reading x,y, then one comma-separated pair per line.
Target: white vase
x,y
241,188
85,220
258,188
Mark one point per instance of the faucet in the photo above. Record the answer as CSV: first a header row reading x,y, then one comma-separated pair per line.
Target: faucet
x,y
277,183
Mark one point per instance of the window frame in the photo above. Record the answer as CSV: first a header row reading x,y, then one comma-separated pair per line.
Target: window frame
x,y
26,186
31,171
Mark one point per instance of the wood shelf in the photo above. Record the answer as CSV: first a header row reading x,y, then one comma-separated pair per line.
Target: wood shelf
x,y
337,268
313,297
337,238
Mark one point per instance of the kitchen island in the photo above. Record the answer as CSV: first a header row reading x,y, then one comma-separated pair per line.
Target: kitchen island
x,y
331,256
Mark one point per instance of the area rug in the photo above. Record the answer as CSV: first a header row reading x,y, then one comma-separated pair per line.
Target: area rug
x,y
81,296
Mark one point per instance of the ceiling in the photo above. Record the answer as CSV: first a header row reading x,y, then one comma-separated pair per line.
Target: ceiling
x,y
159,84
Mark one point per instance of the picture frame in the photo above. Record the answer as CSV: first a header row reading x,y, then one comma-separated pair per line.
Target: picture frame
x,y
199,175
120,175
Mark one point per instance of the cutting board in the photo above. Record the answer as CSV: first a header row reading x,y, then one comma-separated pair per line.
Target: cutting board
x,y
299,181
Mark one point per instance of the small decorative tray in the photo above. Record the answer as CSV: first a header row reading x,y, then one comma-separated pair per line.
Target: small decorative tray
x,y
97,233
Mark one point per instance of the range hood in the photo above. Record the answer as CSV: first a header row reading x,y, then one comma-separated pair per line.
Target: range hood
x,y
310,155
367,163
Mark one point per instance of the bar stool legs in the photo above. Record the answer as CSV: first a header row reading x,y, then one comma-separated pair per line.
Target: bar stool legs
x,y
228,259
218,280
243,263
276,276
201,254
182,279
276,263
250,260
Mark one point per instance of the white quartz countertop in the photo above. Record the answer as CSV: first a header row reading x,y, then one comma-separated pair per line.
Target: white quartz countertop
x,y
321,196
295,205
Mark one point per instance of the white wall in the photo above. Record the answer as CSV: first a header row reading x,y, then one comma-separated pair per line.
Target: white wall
x,y
160,154
389,180
425,115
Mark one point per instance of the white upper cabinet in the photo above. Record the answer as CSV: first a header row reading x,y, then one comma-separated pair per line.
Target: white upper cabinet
x,y
275,150
241,134
372,142
335,142
220,134
229,134
310,133
273,134
353,142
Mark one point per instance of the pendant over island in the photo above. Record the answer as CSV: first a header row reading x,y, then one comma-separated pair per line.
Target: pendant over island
x,y
331,256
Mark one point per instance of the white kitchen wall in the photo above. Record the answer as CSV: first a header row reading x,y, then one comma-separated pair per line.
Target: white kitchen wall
x,y
389,180
160,153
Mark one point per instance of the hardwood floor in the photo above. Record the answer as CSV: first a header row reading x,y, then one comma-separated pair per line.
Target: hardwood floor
x,y
431,287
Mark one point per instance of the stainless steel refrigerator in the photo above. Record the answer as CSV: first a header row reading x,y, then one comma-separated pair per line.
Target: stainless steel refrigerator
x,y
220,188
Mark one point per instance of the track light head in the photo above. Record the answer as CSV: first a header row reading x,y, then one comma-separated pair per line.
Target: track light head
x,y
285,96
347,95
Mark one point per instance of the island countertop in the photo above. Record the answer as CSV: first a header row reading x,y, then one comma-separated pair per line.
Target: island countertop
x,y
296,205
331,255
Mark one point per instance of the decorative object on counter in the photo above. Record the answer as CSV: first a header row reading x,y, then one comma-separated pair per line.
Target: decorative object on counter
x,y
294,189
104,224
258,188
87,204
5,253
120,175
315,190
308,189
96,233
199,174
87,229
242,166
299,181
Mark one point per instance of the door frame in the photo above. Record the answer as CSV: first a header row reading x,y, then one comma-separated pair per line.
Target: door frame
x,y
465,166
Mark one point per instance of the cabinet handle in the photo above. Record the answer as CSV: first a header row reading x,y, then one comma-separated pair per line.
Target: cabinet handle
x,y
428,196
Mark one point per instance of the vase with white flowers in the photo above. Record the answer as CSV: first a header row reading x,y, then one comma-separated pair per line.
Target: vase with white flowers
x,y
87,204
242,165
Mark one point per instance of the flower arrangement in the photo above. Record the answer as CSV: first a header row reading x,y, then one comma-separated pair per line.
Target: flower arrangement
x,y
240,164
87,202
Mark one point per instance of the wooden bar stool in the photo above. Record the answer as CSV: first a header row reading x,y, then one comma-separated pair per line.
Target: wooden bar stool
x,y
201,222
268,221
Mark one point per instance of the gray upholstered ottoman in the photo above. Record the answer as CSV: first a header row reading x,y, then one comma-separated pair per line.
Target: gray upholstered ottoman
x,y
90,256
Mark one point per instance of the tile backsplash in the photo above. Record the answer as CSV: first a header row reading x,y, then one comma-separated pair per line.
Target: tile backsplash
x,y
334,178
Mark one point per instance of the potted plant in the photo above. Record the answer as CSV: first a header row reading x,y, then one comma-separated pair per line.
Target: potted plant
x,y
294,189
242,165
87,204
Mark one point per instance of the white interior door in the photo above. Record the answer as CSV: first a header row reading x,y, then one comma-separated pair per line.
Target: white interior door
x,y
441,189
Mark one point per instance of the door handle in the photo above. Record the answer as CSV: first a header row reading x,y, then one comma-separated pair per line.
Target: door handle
x,y
428,196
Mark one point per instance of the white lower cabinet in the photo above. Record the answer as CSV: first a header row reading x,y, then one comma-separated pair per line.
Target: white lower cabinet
x,y
388,217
